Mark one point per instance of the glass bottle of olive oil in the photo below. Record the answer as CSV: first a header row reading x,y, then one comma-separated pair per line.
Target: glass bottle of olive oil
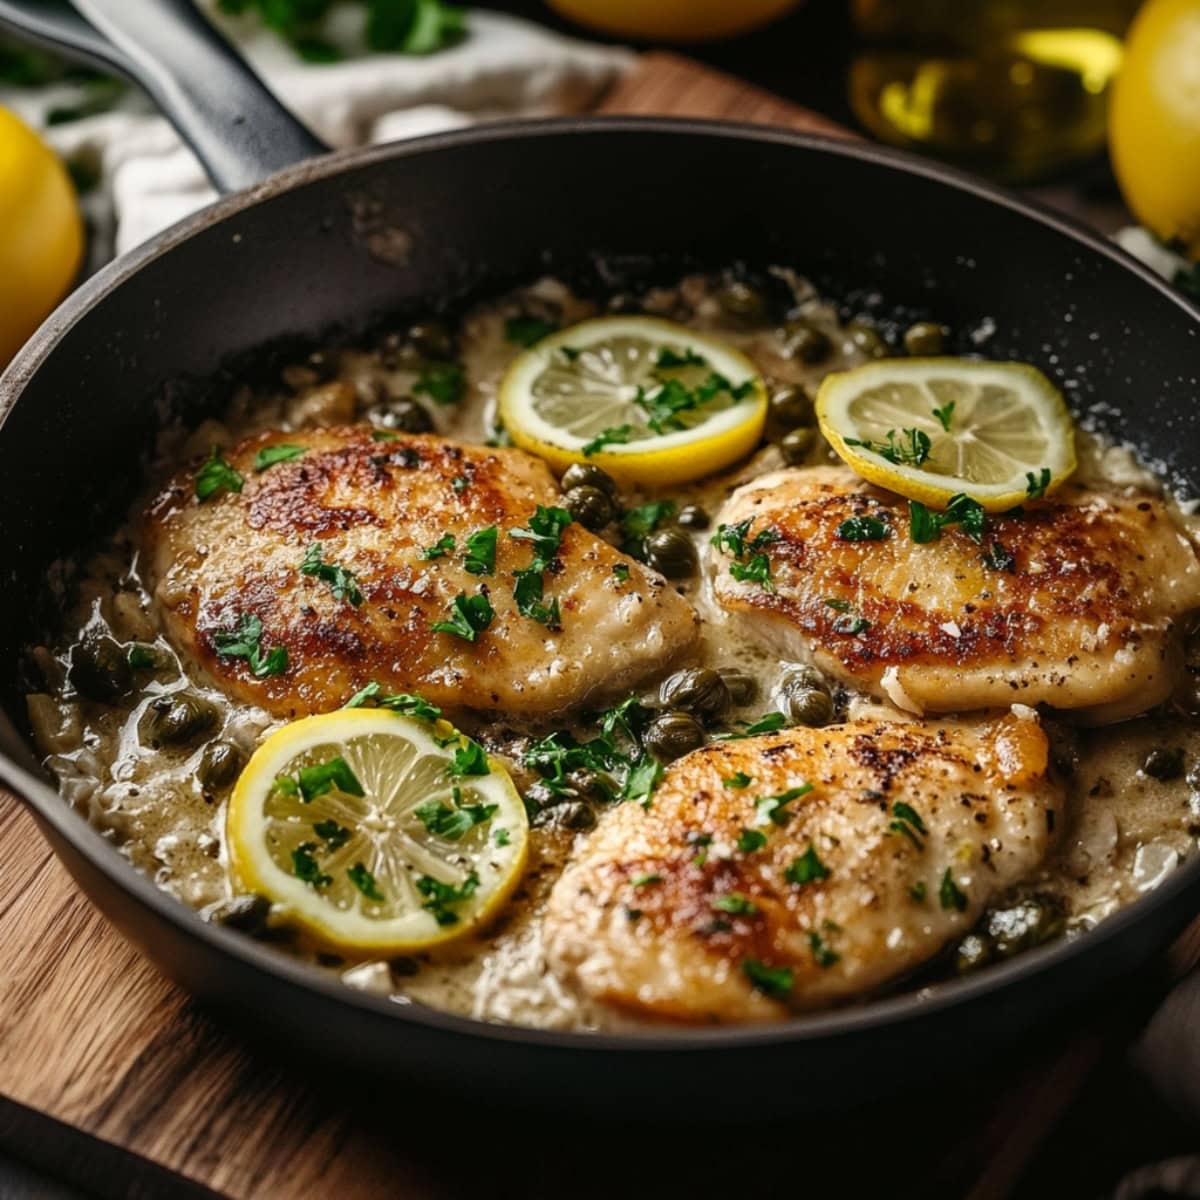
x,y
1015,89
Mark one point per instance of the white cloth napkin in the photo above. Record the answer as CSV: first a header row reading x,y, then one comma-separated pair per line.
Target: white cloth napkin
x,y
505,67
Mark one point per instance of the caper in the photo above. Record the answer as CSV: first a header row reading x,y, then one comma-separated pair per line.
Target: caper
x,y
790,407
672,735
925,339
177,719
587,475
743,688
591,507
804,698
805,342
220,765
575,814
598,787
697,690
796,445
246,913
1023,925
973,952
670,552
866,339
743,301
403,413
540,796
100,668
1163,764
432,339
692,516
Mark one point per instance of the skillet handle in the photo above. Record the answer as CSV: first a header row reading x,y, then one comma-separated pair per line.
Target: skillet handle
x,y
239,131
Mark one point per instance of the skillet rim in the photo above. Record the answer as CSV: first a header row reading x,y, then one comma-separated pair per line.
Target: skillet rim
x,y
48,807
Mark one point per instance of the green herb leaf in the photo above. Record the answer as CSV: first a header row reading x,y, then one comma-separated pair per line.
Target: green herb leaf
x,y
1036,484
768,723
443,383
460,483
365,882
443,546
527,331
750,840
851,624
327,777
969,515
907,822
615,435
908,448
923,526
776,982
735,902
502,837
545,532
737,780
863,529
469,616
411,26
469,759
334,836
644,776
945,414
838,605
305,867
481,551
215,475
999,559
772,809
669,358
245,641
443,898
342,581
641,881
141,658
453,823
825,957
917,891
528,592
950,896
808,868
408,704
637,524
269,456
621,572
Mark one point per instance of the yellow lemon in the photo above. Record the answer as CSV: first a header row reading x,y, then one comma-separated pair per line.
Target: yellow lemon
x,y
673,20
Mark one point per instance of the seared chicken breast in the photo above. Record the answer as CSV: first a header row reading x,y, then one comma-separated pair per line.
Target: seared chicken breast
x,y
391,522
1075,602
803,867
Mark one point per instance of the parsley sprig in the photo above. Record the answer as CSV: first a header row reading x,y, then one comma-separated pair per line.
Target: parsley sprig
x,y
469,616
751,563
342,581
245,641
217,475
909,447
544,534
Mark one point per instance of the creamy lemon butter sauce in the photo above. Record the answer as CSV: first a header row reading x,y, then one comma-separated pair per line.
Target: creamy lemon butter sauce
x,y
1124,830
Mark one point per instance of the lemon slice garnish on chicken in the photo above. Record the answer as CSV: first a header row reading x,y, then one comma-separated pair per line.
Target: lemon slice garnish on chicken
x,y
649,401
930,428
377,832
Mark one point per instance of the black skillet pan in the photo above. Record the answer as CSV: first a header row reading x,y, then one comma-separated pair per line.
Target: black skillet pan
x,y
333,243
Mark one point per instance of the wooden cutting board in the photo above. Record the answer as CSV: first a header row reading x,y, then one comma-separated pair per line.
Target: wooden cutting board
x,y
113,1077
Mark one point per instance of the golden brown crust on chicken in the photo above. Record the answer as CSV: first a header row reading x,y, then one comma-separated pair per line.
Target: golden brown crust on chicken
x,y
373,507
1085,617
662,911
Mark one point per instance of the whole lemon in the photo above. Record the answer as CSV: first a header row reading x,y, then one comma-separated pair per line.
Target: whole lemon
x,y
41,234
673,20
1154,129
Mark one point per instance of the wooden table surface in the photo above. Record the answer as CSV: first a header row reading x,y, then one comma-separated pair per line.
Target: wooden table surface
x,y
113,1077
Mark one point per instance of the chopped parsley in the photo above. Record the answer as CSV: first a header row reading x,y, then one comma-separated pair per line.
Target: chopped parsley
x,y
642,881
917,891
945,414
269,456
950,895
664,404
408,704
637,524
443,546
469,759
838,605
907,822
750,840
644,776
365,882
245,641
469,616
825,956
668,358
1037,483
443,383
909,448
926,526
527,331
544,535
737,780
343,582
545,531
334,775
767,723
443,898
735,902
334,836
999,559
808,868
384,435
141,658
776,982
480,551
751,564
306,868
453,822
702,841
852,624
460,483
621,572
502,837
614,435
217,475
863,529
772,810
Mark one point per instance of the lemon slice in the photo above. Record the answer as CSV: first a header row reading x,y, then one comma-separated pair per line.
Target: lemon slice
x,y
354,824
929,428
650,401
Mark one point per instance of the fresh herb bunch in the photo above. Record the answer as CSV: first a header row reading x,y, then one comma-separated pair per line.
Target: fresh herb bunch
x,y
393,26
